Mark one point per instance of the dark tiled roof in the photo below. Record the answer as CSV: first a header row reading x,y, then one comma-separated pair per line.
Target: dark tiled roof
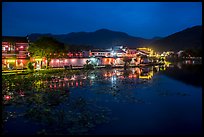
x,y
14,39
120,51
99,50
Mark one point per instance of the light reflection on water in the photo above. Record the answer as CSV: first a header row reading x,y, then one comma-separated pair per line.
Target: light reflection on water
x,y
130,95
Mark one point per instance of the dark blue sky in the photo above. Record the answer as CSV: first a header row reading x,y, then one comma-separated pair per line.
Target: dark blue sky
x,y
142,19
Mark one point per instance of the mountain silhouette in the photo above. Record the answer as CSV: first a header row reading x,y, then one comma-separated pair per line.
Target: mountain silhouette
x,y
188,38
104,38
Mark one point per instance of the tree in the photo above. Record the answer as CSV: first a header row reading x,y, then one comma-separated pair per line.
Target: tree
x,y
30,66
45,47
87,62
126,61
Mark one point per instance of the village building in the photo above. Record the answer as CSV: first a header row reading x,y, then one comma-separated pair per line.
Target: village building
x,y
14,52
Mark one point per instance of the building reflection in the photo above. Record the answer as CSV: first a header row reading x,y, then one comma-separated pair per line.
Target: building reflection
x,y
61,83
133,73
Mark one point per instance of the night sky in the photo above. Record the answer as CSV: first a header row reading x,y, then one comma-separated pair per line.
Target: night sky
x,y
141,19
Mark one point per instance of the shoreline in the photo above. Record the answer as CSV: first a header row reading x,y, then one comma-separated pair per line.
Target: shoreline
x,y
25,71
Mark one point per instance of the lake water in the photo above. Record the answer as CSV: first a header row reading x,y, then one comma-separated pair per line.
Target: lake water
x,y
140,101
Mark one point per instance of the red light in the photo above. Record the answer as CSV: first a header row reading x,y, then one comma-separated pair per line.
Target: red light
x,y
22,94
21,47
7,97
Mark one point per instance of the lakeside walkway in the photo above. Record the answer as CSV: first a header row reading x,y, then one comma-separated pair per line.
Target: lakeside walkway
x,y
24,71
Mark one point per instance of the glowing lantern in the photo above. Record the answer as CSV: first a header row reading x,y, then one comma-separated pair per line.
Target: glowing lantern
x,y
73,60
7,97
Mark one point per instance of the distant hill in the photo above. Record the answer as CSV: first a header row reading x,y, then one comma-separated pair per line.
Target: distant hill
x,y
102,38
188,38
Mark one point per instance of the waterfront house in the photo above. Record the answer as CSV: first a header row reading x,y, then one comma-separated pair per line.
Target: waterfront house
x,y
14,52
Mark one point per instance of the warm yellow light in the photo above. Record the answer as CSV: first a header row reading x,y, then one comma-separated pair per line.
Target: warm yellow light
x,y
11,60
148,76
73,60
38,59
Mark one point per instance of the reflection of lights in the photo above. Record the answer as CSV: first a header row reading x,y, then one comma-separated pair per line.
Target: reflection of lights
x,y
7,97
122,77
66,79
80,83
130,76
77,84
21,93
149,76
134,75
118,73
113,78
73,77
92,77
